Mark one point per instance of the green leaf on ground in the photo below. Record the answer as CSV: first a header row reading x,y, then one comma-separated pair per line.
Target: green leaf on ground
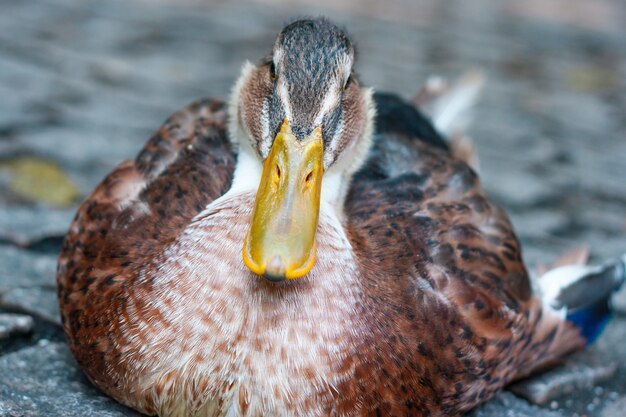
x,y
40,180
591,80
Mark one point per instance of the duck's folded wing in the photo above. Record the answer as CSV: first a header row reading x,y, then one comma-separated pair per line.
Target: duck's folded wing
x,y
418,208
186,165
133,215
421,214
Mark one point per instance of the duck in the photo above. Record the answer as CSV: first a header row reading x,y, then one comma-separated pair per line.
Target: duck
x,y
308,247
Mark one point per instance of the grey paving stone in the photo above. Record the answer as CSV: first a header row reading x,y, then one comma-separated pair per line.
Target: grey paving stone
x,y
611,344
616,409
27,278
580,372
619,300
508,405
43,381
39,301
528,189
21,268
25,225
538,222
15,324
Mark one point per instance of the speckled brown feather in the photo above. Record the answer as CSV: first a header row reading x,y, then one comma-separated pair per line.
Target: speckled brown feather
x,y
131,217
452,315
441,315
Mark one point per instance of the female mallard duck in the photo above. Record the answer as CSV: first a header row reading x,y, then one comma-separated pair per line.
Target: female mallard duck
x,y
280,256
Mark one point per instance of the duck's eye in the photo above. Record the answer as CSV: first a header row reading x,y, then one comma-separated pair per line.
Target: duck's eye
x,y
272,71
348,82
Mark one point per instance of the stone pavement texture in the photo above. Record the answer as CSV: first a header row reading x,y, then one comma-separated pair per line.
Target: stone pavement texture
x,y
83,85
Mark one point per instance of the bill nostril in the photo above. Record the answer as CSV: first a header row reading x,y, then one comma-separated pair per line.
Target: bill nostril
x,y
276,176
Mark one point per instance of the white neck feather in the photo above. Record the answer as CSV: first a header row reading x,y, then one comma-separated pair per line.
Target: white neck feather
x,y
248,173
248,170
249,167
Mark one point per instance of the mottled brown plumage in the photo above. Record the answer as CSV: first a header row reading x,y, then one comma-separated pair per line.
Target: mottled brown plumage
x,y
419,303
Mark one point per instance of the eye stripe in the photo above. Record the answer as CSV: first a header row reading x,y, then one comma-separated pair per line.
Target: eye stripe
x,y
330,100
278,56
329,155
347,69
283,94
265,128
272,71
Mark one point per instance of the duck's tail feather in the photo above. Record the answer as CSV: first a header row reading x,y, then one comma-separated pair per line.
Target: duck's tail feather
x,y
583,293
449,106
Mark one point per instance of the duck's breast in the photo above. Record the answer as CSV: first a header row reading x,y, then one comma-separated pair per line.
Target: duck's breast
x,y
207,334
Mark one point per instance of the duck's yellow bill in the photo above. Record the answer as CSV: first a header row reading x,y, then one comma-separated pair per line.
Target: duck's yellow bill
x,y
281,241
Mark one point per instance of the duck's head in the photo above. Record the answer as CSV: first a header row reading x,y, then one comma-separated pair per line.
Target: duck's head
x,y
302,124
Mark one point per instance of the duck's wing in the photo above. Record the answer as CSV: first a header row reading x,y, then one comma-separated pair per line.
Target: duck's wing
x,y
444,263
131,217
145,202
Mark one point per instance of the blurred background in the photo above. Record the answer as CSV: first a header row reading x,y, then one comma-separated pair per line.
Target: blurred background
x,y
84,84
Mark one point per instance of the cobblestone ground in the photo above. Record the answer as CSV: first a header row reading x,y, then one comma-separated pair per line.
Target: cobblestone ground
x,y
83,85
